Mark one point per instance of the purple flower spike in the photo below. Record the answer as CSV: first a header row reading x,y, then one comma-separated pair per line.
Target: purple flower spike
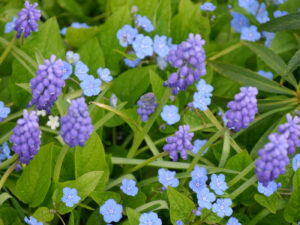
x,y
242,109
27,19
147,104
273,159
181,142
26,137
189,58
76,126
47,85
292,130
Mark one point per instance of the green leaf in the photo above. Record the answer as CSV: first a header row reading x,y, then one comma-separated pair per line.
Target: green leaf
x,y
288,22
8,216
163,18
34,183
157,85
134,201
96,219
84,185
77,37
181,206
71,6
210,218
293,63
249,78
3,197
267,202
292,211
108,39
43,214
133,216
25,86
153,206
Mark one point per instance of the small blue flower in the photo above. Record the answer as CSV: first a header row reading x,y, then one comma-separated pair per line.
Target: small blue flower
x,y
262,14
70,197
218,183
279,13
63,31
204,88
67,70
104,74
126,35
113,100
32,221
205,198
145,23
131,63
81,70
233,221
268,190
4,152
222,207
170,114
250,34
200,101
10,26
179,222
162,63
128,187
171,45
197,184
167,178
198,145
111,211
239,21
199,172
79,25
296,162
208,6
160,45
149,218
269,38
4,111
143,46
198,211
250,5
266,74
90,85
72,57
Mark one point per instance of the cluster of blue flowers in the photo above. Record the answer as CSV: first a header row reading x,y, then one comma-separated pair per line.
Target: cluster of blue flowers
x,y
167,178
202,98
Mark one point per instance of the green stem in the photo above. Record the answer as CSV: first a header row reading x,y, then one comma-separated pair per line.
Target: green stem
x,y
7,173
127,140
12,116
9,161
48,130
263,213
59,162
226,51
242,174
7,50
6,136
226,148
61,219
243,187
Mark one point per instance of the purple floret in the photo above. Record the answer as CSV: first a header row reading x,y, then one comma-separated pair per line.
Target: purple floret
x,y
26,137
242,109
181,142
47,85
76,126
189,58
27,19
147,104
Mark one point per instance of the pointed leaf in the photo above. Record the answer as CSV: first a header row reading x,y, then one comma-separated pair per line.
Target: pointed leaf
x,y
268,202
133,216
293,63
287,22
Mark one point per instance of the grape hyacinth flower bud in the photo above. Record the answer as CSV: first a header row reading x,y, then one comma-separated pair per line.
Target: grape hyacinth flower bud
x,y
273,159
189,58
147,104
242,109
292,129
47,85
76,126
26,137
27,19
181,142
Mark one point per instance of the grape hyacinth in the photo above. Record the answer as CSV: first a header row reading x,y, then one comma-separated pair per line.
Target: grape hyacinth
x,y
147,104
189,58
47,85
76,126
292,129
273,159
242,109
26,137
181,142
27,19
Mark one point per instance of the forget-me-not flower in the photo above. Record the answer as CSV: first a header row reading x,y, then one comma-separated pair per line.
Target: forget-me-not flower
x,y
250,34
70,197
266,74
111,211
207,6
160,45
170,114
269,38
296,162
10,26
167,178
205,198
81,70
126,35
233,221
149,218
197,184
143,46
4,152
145,23
239,21
4,111
67,70
262,14
104,74
218,183
72,57
268,190
198,145
222,207
128,187
32,221
90,85
279,13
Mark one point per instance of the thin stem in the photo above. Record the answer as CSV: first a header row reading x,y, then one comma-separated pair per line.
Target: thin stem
x,y
7,173
241,174
226,51
12,116
127,140
243,187
226,149
48,130
59,162
61,219
7,50
9,161
201,117
5,137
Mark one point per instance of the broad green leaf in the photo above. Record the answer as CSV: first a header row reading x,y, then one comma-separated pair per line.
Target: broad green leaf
x,y
84,185
135,201
293,63
33,185
292,210
76,37
271,59
25,86
95,219
210,218
157,85
108,39
267,202
102,196
181,206
288,22
284,42
91,54
163,18
3,197
130,85
147,8
249,78
133,216
8,215
43,214
71,6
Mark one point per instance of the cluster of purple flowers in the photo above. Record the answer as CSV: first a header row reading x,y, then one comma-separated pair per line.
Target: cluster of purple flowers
x,y
26,137
147,104
47,85
242,109
76,126
189,58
